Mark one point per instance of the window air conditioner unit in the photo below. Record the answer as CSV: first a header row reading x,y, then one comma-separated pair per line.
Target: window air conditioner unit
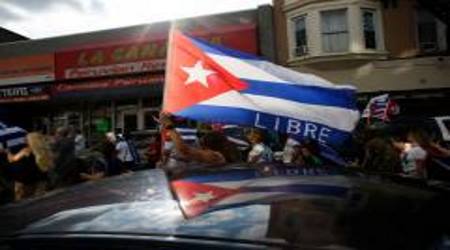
x,y
301,50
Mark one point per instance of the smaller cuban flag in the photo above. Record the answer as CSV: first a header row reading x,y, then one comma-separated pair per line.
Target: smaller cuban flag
x,y
214,84
235,188
189,135
381,107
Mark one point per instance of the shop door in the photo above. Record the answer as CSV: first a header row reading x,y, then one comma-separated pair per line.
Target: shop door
x,y
128,121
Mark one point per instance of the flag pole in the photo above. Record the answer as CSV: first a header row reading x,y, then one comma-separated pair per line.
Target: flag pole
x,y
168,71
168,61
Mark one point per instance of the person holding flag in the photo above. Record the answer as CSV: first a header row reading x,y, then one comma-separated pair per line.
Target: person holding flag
x,y
214,84
215,148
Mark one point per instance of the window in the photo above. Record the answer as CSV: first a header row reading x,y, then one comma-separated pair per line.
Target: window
x,y
334,31
427,32
129,122
149,119
300,36
368,17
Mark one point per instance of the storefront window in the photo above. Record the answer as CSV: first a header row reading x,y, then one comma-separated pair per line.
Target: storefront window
x,y
130,122
149,121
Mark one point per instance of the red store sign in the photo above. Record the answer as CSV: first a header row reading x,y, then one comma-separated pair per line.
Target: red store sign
x,y
109,83
143,56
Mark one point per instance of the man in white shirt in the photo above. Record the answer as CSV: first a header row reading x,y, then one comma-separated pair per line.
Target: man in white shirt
x,y
124,154
413,159
289,150
80,142
259,152
413,156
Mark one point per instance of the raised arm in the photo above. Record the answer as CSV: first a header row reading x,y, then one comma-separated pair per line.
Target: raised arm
x,y
18,156
192,153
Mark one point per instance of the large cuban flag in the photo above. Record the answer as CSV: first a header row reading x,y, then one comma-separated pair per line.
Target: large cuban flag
x,y
211,83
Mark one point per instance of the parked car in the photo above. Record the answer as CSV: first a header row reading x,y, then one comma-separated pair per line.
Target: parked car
x,y
233,207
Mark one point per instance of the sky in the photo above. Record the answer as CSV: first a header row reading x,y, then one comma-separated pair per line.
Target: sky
x,y
47,18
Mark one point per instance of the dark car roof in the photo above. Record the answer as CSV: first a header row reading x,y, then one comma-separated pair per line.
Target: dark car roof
x,y
139,186
142,204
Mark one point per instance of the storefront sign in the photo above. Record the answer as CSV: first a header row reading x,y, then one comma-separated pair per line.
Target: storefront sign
x,y
30,69
23,94
111,60
108,83
142,56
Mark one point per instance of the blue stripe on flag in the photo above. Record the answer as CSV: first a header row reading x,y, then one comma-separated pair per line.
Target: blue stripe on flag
x,y
343,98
230,175
220,50
303,189
290,192
207,113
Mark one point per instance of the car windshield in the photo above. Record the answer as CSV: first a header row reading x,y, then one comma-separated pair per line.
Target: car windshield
x,y
282,124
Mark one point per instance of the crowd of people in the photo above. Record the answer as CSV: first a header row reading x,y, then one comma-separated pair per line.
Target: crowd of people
x,y
412,154
63,159
217,147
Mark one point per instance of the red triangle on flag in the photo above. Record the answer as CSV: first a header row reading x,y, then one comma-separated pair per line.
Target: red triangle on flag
x,y
192,76
196,198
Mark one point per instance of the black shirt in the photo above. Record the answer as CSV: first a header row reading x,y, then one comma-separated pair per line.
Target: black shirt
x,y
26,170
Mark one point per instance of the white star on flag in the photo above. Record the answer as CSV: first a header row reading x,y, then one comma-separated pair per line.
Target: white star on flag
x,y
197,73
203,197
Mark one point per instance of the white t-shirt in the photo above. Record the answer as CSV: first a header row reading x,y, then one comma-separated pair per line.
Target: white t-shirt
x,y
175,160
262,151
410,157
80,143
289,150
124,152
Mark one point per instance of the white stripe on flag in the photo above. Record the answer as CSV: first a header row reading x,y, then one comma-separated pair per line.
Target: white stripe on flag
x,y
186,130
237,141
334,117
11,130
229,126
15,142
189,137
260,70
241,69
